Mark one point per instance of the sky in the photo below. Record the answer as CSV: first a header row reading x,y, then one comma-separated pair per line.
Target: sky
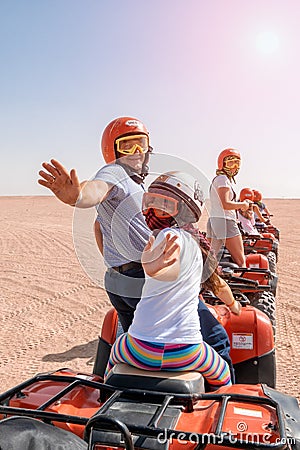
x,y
202,75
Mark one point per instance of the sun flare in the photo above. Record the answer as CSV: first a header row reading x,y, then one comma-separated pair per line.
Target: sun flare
x,y
267,42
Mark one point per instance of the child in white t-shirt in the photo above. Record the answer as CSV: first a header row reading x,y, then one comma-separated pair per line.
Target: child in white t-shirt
x,y
165,333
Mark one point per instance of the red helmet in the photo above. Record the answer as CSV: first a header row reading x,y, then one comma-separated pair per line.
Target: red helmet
x,y
257,196
224,154
117,128
246,194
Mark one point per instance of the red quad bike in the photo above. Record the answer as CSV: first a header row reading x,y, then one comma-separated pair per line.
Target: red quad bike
x,y
261,285
267,228
159,410
265,244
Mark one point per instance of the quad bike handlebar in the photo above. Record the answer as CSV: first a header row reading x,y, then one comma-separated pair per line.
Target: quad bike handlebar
x,y
212,299
239,283
248,281
227,271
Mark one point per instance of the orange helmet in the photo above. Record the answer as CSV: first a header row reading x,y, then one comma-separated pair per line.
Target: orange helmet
x,y
224,154
117,128
257,196
246,194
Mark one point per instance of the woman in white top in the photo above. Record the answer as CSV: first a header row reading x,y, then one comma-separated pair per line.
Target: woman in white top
x,y
222,227
165,332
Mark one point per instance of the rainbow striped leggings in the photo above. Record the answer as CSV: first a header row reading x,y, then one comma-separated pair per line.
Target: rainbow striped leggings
x,y
180,357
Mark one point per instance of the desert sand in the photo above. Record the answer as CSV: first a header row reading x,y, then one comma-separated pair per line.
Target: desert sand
x,y
51,310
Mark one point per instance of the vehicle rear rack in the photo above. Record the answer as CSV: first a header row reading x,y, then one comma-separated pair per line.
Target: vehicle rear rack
x,y
104,421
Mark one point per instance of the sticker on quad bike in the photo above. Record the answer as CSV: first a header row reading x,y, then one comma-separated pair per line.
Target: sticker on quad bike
x,y
242,341
247,412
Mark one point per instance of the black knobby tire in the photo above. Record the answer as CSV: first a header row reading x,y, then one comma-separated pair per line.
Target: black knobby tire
x,y
272,261
265,302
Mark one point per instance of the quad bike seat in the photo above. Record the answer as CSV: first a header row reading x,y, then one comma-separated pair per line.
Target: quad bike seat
x,y
225,263
125,376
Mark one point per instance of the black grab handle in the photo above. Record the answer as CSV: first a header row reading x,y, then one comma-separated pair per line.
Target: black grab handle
x,y
101,420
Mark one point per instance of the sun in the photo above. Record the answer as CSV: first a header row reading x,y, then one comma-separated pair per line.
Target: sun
x,y
267,42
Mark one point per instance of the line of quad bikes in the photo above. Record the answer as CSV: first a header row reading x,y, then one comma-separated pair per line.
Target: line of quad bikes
x,y
160,410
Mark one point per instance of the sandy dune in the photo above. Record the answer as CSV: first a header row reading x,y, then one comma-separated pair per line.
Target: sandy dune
x,y
51,311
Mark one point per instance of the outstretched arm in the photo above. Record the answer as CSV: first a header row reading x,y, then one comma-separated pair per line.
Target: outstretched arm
x,y
227,204
267,211
67,187
162,261
258,213
224,293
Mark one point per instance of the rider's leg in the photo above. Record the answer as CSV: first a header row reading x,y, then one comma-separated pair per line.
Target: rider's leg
x,y
214,334
124,291
235,247
175,357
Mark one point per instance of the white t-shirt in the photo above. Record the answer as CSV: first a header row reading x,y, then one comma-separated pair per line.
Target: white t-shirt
x,y
167,312
215,202
248,225
124,230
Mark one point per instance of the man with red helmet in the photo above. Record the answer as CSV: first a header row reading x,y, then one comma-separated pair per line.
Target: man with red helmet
x,y
222,227
117,192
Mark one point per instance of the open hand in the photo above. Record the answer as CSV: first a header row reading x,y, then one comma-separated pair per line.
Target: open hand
x,y
64,185
156,259
245,205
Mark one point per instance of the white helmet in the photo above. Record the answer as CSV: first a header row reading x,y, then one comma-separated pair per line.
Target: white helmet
x,y
181,186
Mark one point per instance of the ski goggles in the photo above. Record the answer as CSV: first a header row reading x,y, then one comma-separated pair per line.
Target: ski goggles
x,y
163,206
234,163
128,145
